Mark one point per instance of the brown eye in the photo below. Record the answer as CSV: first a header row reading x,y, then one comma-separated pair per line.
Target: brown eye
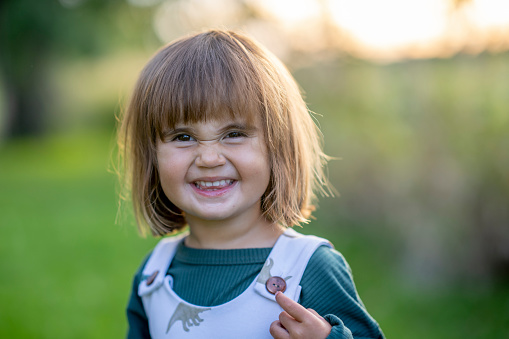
x,y
235,135
183,138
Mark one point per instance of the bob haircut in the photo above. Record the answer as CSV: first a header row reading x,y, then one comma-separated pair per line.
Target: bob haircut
x,y
220,75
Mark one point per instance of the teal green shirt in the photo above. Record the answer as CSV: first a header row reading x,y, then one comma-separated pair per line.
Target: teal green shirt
x,y
213,277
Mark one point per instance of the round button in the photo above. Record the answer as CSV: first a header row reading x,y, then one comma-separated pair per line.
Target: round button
x,y
275,284
151,279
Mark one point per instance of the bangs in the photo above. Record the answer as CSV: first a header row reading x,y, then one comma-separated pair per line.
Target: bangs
x,y
210,78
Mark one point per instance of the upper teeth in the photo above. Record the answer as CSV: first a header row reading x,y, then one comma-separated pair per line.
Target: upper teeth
x,y
214,183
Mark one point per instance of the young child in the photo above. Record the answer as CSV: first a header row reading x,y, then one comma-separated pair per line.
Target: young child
x,y
217,138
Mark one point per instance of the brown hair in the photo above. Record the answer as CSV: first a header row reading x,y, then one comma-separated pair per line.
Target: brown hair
x,y
215,75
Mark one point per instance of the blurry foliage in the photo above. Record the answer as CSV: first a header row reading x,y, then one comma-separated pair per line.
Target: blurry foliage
x,y
424,152
35,36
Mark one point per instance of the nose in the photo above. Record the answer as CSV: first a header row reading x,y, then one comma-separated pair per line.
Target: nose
x,y
210,154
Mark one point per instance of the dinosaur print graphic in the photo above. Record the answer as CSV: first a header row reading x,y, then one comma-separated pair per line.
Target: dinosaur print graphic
x,y
188,315
265,272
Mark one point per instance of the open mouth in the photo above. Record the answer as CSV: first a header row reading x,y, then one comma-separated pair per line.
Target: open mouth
x,y
213,185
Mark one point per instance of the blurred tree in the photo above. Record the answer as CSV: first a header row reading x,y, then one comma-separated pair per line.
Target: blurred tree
x,y
32,32
425,155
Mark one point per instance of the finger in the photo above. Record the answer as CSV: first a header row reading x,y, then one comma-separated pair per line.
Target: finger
x,y
315,313
277,331
294,309
318,315
287,321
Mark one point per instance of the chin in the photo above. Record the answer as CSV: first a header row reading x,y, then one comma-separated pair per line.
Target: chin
x,y
216,217
212,216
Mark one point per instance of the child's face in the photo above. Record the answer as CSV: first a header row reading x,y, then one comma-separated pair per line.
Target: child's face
x,y
214,170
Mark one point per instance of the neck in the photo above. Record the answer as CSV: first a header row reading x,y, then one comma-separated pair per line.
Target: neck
x,y
230,234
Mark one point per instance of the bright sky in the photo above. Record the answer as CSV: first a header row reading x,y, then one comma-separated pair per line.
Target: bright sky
x,y
390,25
383,29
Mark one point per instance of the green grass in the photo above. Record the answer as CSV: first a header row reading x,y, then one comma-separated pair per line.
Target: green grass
x,y
67,265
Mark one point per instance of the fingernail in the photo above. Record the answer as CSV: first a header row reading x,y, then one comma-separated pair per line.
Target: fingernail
x,y
277,293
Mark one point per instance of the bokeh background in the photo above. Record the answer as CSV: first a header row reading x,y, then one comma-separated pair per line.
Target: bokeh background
x,y
413,100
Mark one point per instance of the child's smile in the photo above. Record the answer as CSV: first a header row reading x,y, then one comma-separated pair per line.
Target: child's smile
x,y
215,170
214,188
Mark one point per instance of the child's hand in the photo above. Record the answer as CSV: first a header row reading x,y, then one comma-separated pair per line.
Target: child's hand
x,y
297,321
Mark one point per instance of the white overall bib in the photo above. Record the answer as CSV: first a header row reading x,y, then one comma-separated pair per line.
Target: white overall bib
x,y
249,315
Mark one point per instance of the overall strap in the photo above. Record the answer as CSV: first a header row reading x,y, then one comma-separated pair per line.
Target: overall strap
x,y
157,265
288,260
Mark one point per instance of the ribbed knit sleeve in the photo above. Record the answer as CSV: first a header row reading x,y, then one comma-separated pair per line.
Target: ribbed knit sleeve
x,y
328,288
136,317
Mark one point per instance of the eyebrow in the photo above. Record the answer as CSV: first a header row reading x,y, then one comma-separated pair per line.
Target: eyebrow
x,y
238,126
171,131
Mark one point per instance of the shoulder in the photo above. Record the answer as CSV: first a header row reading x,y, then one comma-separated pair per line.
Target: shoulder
x,y
328,255
329,289
138,276
160,257
156,253
328,268
326,259
136,316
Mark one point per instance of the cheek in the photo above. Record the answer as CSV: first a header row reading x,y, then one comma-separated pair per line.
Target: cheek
x,y
259,169
171,185
264,170
265,167
171,171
